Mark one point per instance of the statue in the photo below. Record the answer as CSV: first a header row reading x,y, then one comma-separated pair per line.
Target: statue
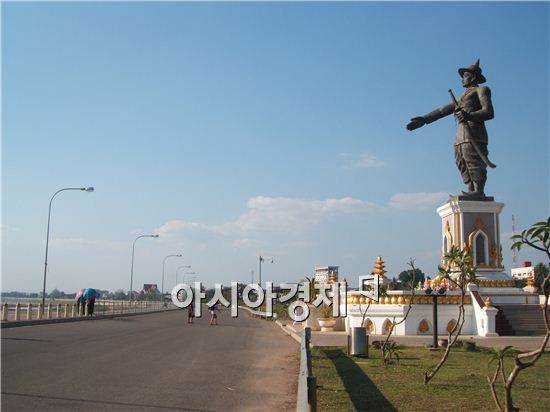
x,y
471,112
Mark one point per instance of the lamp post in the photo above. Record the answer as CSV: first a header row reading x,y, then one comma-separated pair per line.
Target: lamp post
x,y
178,269
190,278
263,259
84,189
132,270
163,264
434,295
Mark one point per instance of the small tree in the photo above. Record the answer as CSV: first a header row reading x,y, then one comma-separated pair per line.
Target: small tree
x,y
391,346
120,295
458,271
498,355
410,278
537,237
56,294
541,271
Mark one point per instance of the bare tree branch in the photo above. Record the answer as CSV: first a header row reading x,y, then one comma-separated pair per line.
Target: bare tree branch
x,y
537,237
462,262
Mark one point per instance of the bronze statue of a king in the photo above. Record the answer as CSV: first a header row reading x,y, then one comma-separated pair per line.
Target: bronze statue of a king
x,y
471,111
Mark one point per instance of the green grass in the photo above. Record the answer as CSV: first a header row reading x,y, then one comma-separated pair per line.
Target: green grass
x,y
365,384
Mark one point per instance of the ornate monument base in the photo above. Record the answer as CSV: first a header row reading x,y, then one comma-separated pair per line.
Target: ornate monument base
x,y
475,225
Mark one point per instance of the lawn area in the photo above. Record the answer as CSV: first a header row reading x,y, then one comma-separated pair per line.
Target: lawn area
x,y
365,384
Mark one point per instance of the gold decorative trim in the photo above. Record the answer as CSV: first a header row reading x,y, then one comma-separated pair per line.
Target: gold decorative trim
x,y
496,283
449,236
371,327
387,326
451,325
416,300
457,223
479,228
424,326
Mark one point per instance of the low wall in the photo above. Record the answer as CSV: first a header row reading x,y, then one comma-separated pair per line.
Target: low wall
x,y
419,321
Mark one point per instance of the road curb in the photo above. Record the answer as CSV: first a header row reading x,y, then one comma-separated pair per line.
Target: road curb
x,y
13,324
289,331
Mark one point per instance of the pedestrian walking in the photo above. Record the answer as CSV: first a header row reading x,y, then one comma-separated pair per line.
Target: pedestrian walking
x,y
191,313
213,315
91,303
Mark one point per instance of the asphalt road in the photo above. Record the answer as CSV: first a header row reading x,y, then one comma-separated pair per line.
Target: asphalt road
x,y
150,363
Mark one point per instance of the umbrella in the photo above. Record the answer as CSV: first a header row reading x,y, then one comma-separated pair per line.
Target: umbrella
x,y
80,293
90,293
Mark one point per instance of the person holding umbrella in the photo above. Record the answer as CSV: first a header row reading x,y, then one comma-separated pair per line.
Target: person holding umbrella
x,y
80,301
89,296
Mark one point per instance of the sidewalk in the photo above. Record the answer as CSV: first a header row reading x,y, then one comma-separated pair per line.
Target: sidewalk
x,y
523,343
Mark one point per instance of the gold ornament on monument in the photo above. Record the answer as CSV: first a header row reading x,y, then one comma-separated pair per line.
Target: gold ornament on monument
x,y
450,325
379,267
423,326
370,326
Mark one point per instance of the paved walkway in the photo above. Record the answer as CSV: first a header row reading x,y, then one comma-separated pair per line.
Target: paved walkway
x,y
523,343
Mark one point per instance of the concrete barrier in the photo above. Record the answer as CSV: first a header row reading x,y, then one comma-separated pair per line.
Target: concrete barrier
x,y
307,383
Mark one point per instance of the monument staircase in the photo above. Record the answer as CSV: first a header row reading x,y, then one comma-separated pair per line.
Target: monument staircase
x,y
502,326
520,320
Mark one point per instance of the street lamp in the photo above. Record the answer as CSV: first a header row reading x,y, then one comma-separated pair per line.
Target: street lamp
x,y
163,263
440,292
178,269
84,189
132,270
263,259
190,278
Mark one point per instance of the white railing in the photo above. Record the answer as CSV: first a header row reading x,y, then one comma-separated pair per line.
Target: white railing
x,y
26,311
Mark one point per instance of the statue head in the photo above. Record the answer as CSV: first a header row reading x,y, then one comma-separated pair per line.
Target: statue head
x,y
474,70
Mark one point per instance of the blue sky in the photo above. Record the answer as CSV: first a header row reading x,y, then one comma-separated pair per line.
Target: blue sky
x,y
234,129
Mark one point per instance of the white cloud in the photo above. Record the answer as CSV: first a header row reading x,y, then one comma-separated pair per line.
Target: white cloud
x,y
174,227
273,214
364,161
243,243
417,201
79,243
283,214
8,229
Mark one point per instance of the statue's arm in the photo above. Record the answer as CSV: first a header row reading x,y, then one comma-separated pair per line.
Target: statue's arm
x,y
486,112
431,117
439,113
